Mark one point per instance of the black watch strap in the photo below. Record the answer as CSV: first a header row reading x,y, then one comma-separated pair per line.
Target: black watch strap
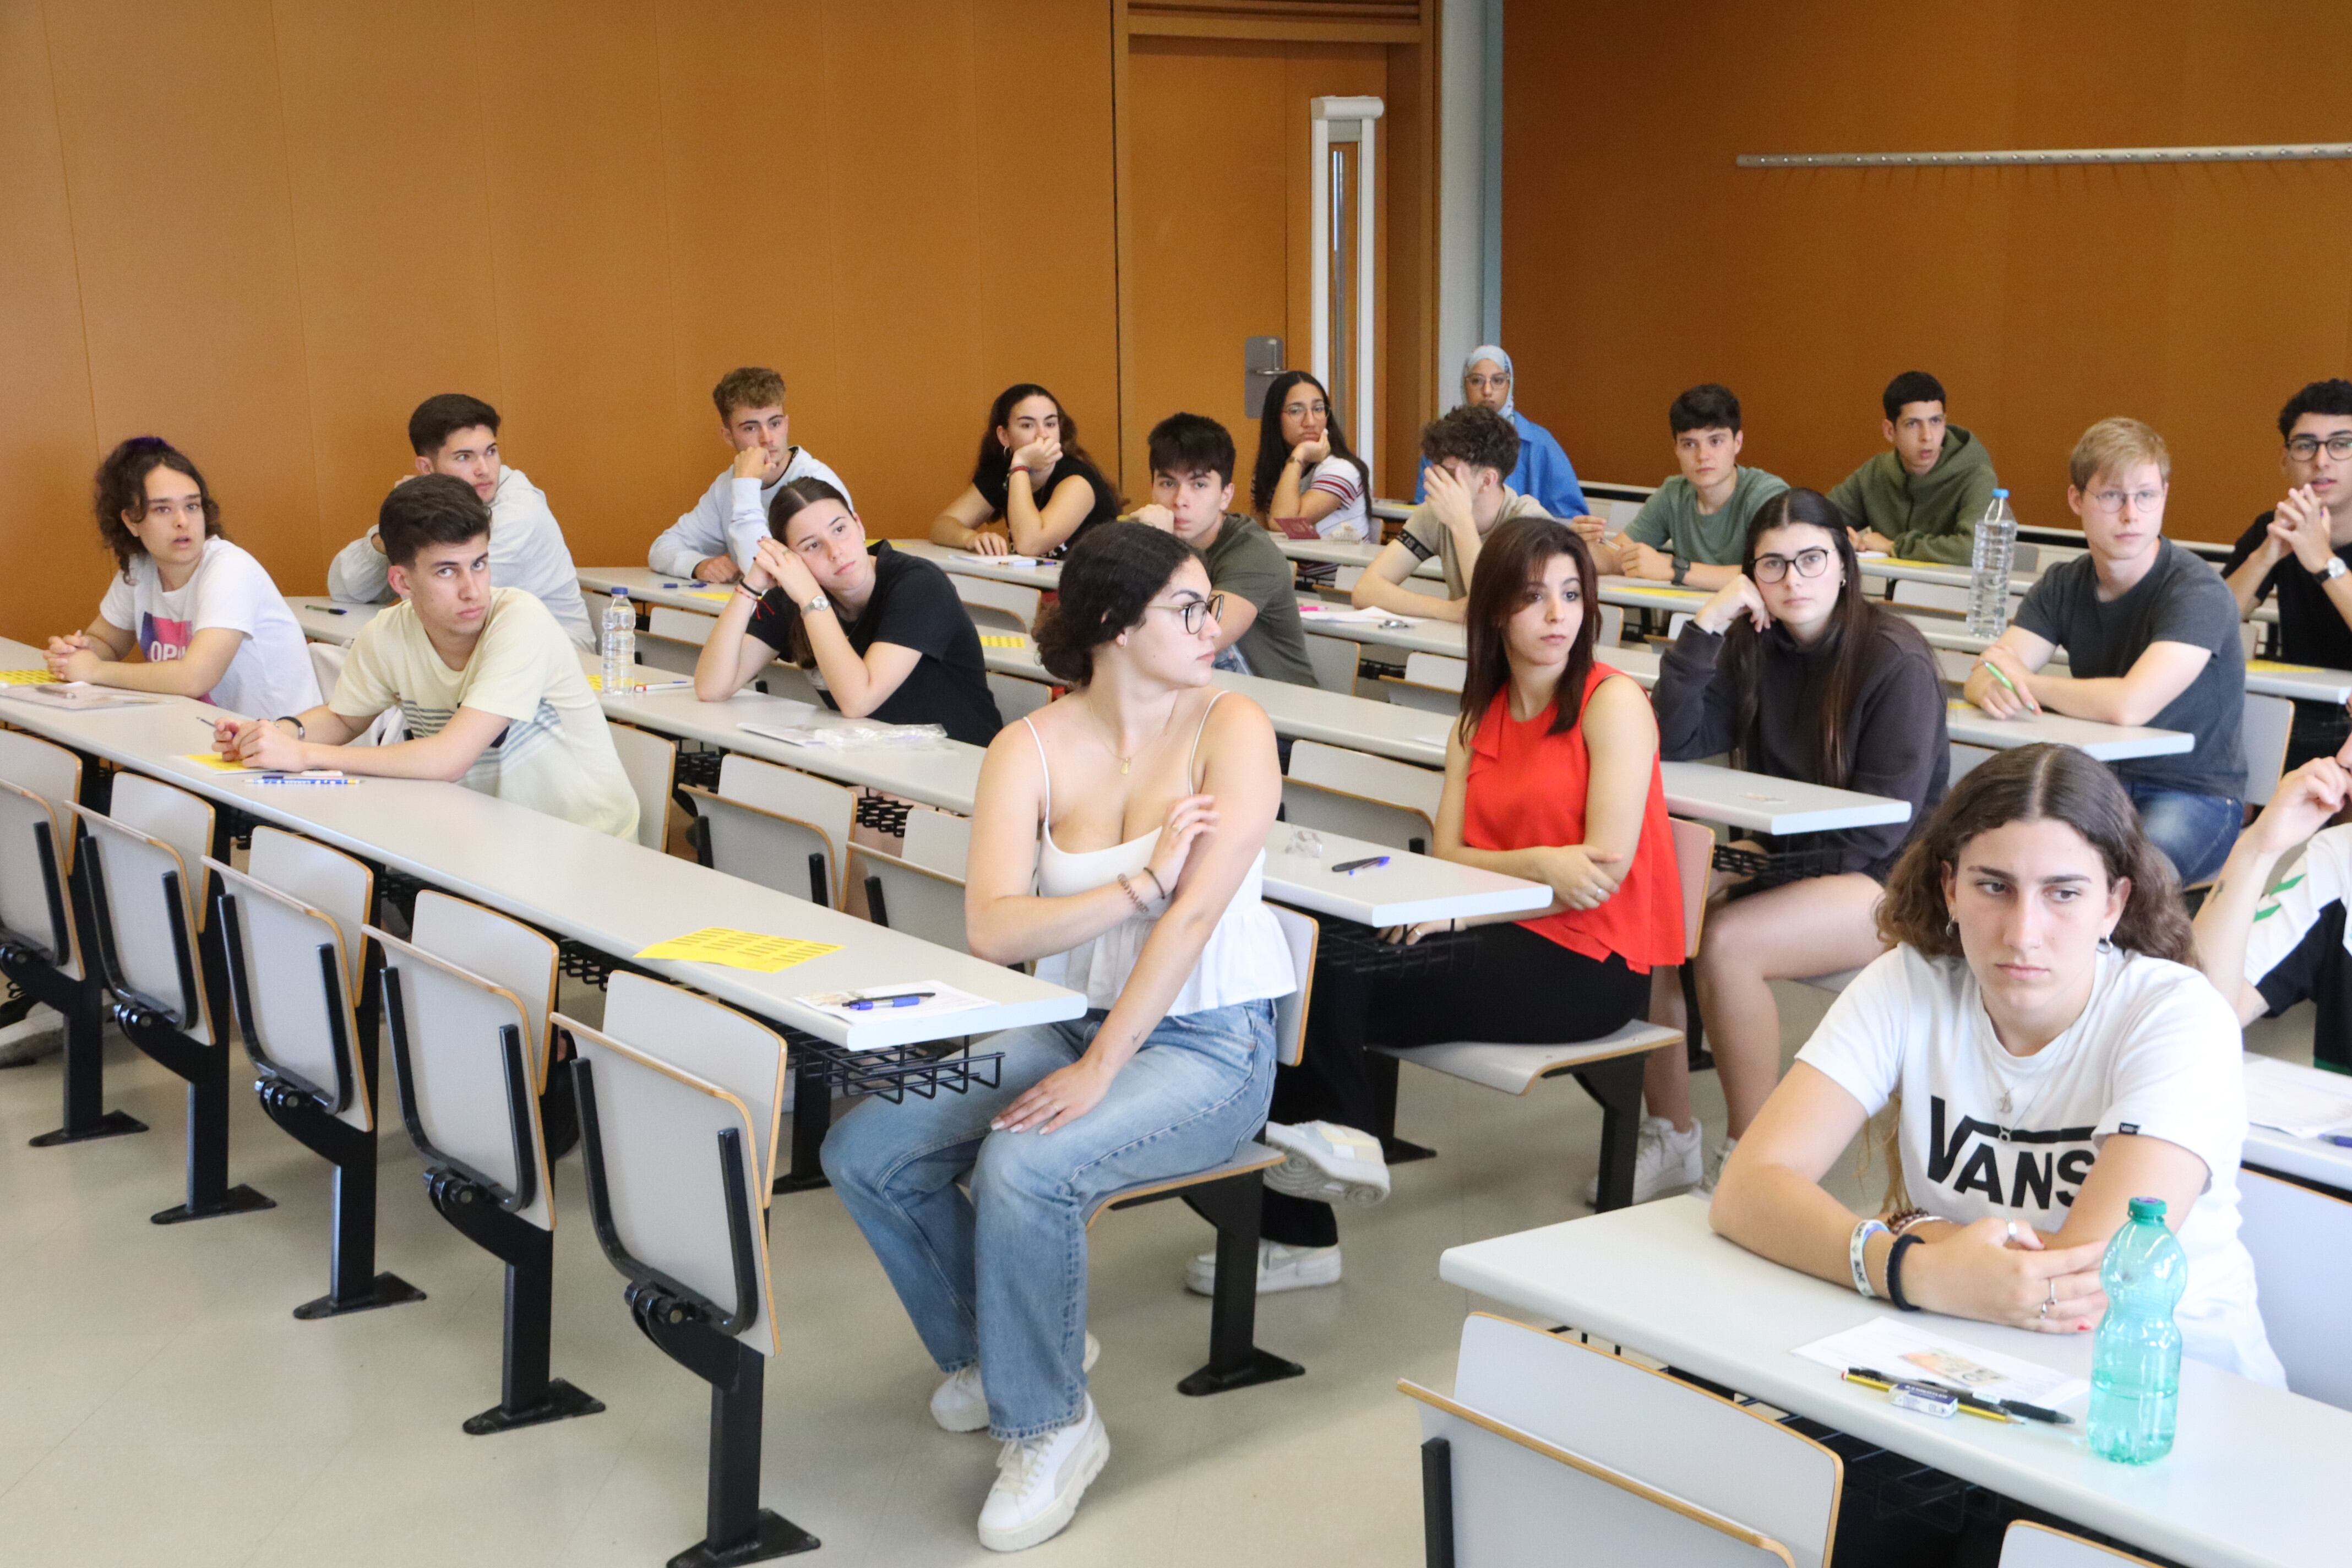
x,y
301,731
1895,1272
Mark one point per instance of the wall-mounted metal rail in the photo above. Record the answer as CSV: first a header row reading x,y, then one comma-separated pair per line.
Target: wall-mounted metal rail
x,y
2265,152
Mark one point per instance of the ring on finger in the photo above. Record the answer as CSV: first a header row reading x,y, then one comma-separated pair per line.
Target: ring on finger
x,y
2053,1296
2045,1312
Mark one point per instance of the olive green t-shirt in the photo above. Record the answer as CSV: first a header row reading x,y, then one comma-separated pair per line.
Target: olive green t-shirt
x,y
1670,519
1243,561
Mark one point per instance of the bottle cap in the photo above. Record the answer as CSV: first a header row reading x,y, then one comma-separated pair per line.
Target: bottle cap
x,y
2000,495
620,592
2148,1208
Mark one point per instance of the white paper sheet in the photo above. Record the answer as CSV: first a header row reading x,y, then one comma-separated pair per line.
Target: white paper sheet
x,y
943,998
1370,617
1916,1352
2300,1101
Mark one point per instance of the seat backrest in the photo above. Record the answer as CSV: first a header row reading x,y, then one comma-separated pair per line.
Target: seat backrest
x,y
788,681
652,1138
914,899
1675,623
1362,773
1441,671
2268,722
134,904
1694,869
1966,759
1514,1498
821,804
937,840
993,603
281,952
1659,1429
772,850
1336,660
2026,1544
1302,932
709,1041
679,625
1611,630
1352,816
448,1051
1426,699
2301,1242
327,664
1016,698
651,762
325,878
52,774
506,953
1930,595
35,902
179,820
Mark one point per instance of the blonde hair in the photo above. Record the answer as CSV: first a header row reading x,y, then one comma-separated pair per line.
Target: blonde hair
x,y
2114,445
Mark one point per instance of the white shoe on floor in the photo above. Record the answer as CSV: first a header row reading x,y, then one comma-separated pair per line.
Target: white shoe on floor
x,y
1706,1189
1039,1481
1664,1161
1327,1163
960,1403
39,1033
1280,1266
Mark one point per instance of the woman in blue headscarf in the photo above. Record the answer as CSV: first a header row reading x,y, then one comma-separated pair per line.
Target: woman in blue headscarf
x,y
1544,471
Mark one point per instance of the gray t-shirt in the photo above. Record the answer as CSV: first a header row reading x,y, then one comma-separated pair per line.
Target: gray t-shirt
x,y
1670,519
2183,600
1242,561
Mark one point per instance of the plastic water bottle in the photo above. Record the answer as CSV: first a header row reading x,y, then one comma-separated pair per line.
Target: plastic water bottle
x,y
1989,569
620,643
2136,1363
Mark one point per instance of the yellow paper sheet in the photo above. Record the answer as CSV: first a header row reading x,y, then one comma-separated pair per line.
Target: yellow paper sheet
x,y
1672,596
989,639
2273,667
718,595
217,763
750,950
26,678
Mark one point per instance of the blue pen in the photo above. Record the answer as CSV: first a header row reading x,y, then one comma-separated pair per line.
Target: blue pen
x,y
1370,863
905,999
2338,1138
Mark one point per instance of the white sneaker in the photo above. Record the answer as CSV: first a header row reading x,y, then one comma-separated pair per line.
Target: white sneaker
x,y
1329,1163
1664,1161
1039,1481
39,1033
960,1403
1715,1167
1280,1266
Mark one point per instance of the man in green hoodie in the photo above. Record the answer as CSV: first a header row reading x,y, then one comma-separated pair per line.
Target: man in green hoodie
x,y
1921,500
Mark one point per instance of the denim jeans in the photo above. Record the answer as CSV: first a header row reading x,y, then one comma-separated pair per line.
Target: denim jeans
x,y
998,1277
2195,831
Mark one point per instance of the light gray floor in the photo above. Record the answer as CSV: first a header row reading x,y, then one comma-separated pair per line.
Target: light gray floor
x,y
158,1405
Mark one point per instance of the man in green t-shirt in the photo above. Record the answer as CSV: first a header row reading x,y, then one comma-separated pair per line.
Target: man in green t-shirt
x,y
1193,497
1919,499
1694,529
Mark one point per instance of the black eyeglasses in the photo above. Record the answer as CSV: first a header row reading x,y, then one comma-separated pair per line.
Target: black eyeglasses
x,y
2303,448
1196,613
1808,562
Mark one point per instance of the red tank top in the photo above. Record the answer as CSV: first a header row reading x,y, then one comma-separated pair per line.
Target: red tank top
x,y
1526,788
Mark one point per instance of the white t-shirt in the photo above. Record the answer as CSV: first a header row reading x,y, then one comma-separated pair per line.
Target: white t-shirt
x,y
1984,1133
732,518
556,756
1349,521
270,675
527,551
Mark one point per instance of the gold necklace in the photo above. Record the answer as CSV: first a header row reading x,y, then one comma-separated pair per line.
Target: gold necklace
x,y
1127,762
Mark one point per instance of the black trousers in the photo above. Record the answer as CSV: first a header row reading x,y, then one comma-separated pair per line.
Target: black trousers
x,y
1508,985
2320,730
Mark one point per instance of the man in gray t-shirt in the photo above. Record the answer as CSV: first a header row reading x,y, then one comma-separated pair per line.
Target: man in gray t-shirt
x,y
2151,638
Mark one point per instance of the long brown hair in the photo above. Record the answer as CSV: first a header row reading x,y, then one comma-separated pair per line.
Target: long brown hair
x,y
1513,552
2037,783
1854,627
1272,451
994,463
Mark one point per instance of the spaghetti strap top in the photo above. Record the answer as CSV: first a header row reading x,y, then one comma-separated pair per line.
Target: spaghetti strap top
x,y
1246,958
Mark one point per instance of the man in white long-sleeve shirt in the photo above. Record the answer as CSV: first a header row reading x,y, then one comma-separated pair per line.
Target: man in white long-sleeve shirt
x,y
458,436
717,538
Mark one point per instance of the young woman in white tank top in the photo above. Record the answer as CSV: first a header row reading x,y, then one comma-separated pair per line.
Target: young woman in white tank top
x,y
1119,842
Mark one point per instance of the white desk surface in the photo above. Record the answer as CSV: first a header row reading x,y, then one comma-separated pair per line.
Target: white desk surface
x,y
331,620
2313,1159
2299,682
656,588
1409,888
1042,574
1890,569
1415,635
616,896
1329,552
2252,1479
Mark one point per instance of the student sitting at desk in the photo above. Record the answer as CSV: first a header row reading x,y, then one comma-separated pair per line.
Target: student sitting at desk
x,y
2051,1056
1259,632
458,436
1033,477
716,540
490,692
1469,451
2152,635
202,614
1795,672
1305,471
1922,499
1119,838
1693,527
1551,774
2302,551
1543,470
884,630
2266,951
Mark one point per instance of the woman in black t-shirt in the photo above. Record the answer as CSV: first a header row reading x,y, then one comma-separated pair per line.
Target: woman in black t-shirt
x,y
1033,475
885,630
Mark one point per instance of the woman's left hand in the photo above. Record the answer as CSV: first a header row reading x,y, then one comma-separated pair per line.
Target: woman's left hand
x,y
1058,1099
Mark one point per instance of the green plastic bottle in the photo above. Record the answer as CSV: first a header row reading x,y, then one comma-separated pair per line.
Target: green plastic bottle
x,y
2136,1364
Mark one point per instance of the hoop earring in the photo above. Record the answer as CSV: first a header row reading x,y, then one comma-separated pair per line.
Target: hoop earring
x,y
1952,926
2107,942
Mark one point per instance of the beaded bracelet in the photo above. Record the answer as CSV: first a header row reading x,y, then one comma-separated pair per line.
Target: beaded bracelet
x,y
1132,895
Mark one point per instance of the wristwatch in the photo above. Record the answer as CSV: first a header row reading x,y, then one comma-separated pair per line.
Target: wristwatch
x,y
2332,571
819,603
301,731
1682,570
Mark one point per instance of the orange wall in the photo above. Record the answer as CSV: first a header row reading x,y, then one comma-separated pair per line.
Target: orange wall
x,y
1637,260
267,230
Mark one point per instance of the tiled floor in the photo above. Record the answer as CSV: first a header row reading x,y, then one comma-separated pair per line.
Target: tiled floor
x,y
160,1405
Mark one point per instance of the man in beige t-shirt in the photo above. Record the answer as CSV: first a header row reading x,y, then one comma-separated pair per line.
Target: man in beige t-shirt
x,y
1469,451
489,686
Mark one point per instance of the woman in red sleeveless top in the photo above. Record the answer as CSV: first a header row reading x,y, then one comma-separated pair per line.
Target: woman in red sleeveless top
x,y
1550,775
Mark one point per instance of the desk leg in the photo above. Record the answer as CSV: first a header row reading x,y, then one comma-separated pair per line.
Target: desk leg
x,y
1616,1084
811,1118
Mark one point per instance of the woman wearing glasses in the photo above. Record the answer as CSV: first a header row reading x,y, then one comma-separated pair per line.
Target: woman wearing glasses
x,y
1119,839
1791,669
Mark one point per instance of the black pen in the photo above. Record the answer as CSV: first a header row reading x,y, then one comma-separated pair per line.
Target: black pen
x,y
2016,1407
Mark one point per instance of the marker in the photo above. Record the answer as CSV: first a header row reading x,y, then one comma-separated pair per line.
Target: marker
x,y
1370,863
330,609
904,999
296,779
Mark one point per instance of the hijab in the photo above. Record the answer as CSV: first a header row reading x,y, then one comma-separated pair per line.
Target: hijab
x,y
1488,351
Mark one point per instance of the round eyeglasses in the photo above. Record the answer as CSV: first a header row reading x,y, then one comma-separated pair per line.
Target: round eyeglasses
x,y
1808,562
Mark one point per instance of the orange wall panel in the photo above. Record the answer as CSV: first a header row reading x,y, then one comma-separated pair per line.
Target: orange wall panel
x,y
1638,260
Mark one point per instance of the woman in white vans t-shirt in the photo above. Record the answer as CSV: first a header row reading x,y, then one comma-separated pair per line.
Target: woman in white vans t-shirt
x,y
2051,1056
203,613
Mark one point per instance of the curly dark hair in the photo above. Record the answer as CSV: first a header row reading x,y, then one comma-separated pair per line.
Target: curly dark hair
x,y
2038,783
120,487
1109,575
1479,436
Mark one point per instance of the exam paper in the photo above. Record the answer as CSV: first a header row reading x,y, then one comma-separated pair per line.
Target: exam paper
x,y
2300,1101
1916,1352
943,998
76,696
754,950
1370,617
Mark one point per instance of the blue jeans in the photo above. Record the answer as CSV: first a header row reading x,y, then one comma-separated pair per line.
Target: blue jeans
x,y
1000,1277
2195,831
